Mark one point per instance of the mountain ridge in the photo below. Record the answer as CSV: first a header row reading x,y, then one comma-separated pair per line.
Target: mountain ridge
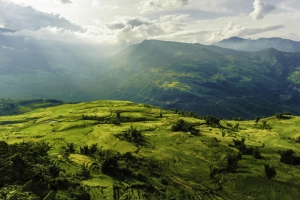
x,y
162,73
280,44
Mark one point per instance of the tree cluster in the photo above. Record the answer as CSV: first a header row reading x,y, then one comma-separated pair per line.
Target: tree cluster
x,y
244,150
211,121
26,167
184,126
287,157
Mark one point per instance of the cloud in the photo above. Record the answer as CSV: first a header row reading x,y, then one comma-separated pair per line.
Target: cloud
x,y
234,30
17,17
65,1
261,9
156,5
96,4
178,17
122,22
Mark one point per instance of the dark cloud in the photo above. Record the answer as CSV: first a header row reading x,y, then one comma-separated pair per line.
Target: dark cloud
x,y
133,22
65,1
18,17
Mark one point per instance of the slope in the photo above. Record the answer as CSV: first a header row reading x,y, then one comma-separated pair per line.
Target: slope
x,y
160,163
206,79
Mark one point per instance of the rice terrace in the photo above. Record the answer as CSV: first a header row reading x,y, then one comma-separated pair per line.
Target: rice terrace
x,y
125,150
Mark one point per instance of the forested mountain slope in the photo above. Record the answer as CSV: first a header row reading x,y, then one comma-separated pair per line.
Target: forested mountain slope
x,y
206,79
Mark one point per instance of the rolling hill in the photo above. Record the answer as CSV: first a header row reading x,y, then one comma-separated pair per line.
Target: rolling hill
x,y
124,150
206,79
259,44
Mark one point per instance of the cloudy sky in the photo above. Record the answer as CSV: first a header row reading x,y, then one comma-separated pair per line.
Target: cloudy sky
x,y
119,23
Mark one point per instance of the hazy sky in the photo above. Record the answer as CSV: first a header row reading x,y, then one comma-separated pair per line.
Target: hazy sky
x,y
124,22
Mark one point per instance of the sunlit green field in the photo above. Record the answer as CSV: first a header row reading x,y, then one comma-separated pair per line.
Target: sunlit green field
x,y
167,165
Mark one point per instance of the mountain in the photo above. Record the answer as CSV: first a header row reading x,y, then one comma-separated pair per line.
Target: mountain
x,y
33,68
126,150
206,79
259,44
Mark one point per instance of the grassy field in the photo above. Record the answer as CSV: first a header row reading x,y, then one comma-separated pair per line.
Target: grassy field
x,y
163,164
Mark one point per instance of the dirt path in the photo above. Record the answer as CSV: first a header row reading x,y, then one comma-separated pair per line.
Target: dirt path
x,y
186,186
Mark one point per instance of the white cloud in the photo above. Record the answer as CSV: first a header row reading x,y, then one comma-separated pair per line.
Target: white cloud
x,y
198,22
178,17
97,4
156,5
17,17
261,9
234,30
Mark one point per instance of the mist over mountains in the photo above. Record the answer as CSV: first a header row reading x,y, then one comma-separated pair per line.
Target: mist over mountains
x,y
39,68
259,44
208,80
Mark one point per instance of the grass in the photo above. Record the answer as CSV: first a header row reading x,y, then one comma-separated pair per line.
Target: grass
x,y
176,165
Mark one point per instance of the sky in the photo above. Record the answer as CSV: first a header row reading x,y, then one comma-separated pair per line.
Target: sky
x,y
116,24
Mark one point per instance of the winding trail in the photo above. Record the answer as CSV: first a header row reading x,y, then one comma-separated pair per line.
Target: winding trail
x,y
186,186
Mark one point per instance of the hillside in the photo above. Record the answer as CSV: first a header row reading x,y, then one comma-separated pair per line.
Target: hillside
x,y
259,44
206,79
209,80
126,150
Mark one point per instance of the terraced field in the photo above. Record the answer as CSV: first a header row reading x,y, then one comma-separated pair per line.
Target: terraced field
x,y
160,163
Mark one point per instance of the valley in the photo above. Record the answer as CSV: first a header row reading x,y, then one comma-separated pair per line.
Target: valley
x,y
149,100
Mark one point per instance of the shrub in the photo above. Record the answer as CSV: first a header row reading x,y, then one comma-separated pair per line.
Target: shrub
x,y
270,171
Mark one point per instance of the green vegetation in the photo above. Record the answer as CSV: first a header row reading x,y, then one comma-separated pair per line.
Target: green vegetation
x,y
9,106
27,172
74,151
207,80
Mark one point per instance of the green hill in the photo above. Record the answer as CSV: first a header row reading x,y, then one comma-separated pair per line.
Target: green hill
x,y
206,79
126,150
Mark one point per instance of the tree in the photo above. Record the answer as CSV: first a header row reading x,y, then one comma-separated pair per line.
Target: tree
x,y
232,162
118,114
270,171
257,119
278,115
71,147
236,126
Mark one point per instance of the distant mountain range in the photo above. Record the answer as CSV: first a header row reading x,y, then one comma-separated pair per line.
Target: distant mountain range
x,y
259,44
208,80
